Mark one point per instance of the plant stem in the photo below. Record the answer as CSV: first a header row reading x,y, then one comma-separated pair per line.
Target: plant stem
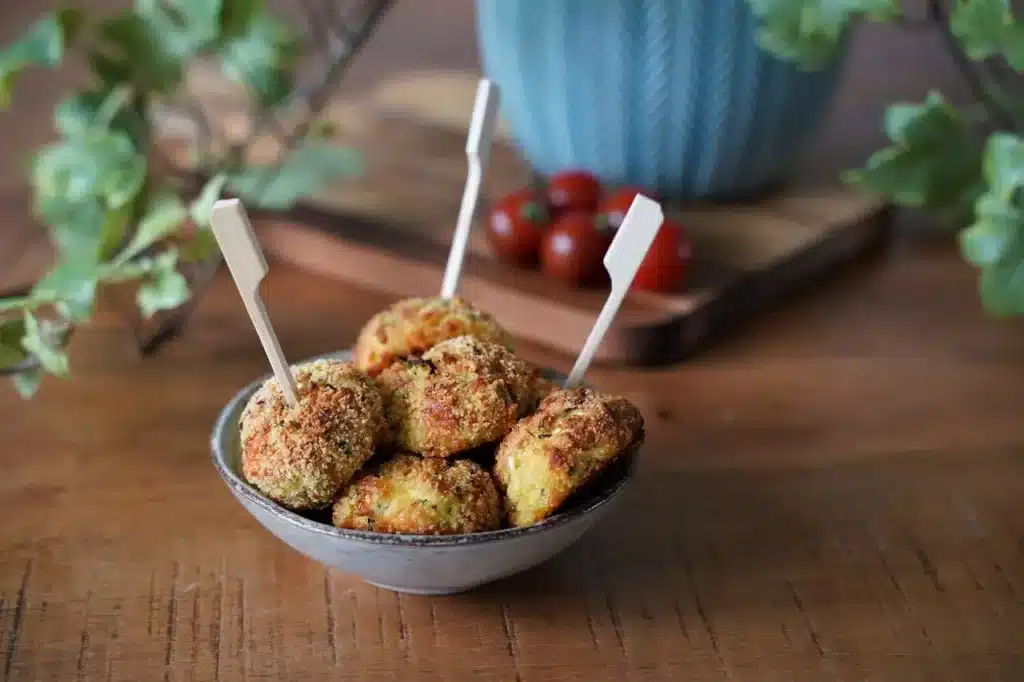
x,y
1003,117
320,92
14,303
175,320
112,104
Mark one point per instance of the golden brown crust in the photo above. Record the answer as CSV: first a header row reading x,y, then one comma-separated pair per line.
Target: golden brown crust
x,y
413,495
300,456
460,394
549,455
413,326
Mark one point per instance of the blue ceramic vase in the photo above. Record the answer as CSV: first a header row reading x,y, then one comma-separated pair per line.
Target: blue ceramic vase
x,y
671,95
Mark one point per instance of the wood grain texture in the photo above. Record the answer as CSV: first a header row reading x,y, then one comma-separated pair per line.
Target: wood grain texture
x,y
833,495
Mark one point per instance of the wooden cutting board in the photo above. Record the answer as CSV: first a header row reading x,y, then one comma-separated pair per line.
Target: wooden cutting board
x,y
390,229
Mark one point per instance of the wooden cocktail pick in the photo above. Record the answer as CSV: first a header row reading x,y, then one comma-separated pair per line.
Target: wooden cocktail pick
x,y
248,267
478,150
623,258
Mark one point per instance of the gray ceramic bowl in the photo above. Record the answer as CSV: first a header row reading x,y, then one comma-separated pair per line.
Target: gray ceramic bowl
x,y
417,564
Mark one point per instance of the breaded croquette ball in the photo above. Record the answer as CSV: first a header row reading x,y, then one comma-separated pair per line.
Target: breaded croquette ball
x,y
460,394
414,495
549,455
300,456
415,325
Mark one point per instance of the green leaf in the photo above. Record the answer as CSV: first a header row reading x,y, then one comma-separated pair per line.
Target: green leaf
x,y
236,16
14,303
167,290
995,241
43,45
114,101
201,247
100,164
115,228
933,162
43,345
1002,288
203,242
202,17
979,25
109,70
72,285
304,172
987,28
262,58
75,227
84,229
995,233
27,383
1013,47
184,26
77,114
1004,164
144,53
164,214
11,333
208,196
809,32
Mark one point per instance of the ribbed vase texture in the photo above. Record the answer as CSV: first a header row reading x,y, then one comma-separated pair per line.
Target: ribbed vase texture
x,y
671,95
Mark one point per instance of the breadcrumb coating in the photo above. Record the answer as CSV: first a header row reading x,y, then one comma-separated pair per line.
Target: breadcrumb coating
x,y
460,394
415,495
574,434
413,326
300,456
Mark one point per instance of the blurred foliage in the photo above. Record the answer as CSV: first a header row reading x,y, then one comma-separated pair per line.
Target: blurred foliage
x,y
111,215
968,171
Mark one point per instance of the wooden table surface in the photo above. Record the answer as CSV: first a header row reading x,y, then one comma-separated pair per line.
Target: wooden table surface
x,y
834,494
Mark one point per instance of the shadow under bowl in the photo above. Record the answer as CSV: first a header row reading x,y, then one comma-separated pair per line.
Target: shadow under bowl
x,y
415,564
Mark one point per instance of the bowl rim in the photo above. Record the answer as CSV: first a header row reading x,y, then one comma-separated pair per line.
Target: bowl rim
x,y
220,436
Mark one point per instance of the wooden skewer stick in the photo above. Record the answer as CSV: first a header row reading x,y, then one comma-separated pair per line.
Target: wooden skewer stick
x,y
478,151
623,258
248,267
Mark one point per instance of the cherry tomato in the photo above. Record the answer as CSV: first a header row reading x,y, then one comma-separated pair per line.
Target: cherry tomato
x,y
516,225
573,190
614,207
573,248
665,266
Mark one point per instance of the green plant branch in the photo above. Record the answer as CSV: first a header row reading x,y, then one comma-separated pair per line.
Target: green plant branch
x,y
984,92
115,216
320,92
939,158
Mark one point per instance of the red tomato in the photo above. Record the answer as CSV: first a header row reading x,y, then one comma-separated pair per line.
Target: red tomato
x,y
573,190
664,267
516,225
573,248
614,207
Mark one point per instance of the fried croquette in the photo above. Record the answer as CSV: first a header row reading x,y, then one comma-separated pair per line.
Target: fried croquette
x,y
549,455
460,394
300,456
414,326
414,495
